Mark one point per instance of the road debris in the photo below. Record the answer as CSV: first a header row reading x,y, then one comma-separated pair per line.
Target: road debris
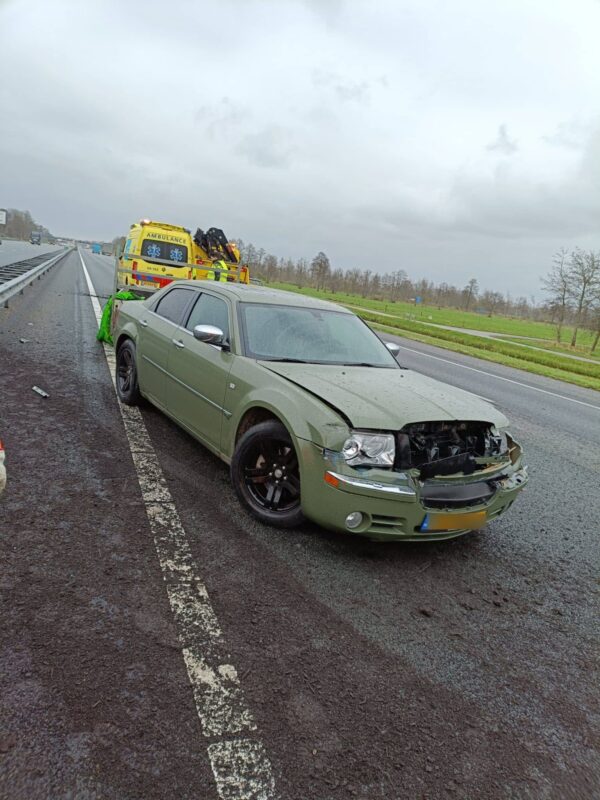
x,y
39,391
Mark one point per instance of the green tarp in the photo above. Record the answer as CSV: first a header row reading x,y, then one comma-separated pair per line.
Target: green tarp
x,y
103,334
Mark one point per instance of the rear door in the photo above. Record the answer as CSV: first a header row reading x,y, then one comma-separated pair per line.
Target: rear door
x,y
198,372
174,248
157,338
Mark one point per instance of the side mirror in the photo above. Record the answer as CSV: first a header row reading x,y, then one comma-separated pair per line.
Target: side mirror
x,y
393,348
209,334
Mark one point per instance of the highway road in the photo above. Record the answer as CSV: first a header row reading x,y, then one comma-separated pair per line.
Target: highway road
x,y
466,669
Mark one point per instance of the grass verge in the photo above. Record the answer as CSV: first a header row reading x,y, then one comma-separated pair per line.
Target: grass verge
x,y
557,348
510,326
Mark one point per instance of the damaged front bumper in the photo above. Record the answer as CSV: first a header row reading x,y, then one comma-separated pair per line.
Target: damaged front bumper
x,y
388,505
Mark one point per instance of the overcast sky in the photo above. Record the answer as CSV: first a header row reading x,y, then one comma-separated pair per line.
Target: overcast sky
x,y
453,140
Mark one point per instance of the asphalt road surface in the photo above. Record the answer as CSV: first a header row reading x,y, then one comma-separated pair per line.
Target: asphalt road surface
x,y
465,669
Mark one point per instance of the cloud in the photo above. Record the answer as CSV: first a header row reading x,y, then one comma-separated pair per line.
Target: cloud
x,y
503,144
271,147
572,134
343,89
329,10
223,119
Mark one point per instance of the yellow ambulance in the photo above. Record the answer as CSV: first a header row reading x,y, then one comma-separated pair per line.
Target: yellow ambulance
x,y
156,253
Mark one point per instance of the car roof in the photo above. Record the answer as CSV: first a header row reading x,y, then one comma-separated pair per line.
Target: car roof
x,y
252,293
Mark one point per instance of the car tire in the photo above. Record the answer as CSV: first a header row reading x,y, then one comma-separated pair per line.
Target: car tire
x,y
265,475
126,374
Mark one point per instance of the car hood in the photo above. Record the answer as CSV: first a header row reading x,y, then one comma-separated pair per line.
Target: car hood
x,y
386,399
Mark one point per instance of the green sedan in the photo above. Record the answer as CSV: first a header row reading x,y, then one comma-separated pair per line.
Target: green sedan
x,y
314,415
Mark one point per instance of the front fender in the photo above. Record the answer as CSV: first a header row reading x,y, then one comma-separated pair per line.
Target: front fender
x,y
304,415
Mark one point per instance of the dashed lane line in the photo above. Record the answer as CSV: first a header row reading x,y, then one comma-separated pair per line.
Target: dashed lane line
x,y
238,758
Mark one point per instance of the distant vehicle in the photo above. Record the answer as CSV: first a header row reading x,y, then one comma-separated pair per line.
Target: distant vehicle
x,y
96,247
314,415
36,237
156,253
107,249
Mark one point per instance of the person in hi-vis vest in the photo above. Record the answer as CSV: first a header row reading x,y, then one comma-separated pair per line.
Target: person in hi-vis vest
x,y
218,272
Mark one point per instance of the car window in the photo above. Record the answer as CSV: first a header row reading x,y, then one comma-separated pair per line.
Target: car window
x,y
209,310
172,305
168,251
315,335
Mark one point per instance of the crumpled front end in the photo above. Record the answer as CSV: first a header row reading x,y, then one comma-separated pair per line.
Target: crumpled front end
x,y
446,479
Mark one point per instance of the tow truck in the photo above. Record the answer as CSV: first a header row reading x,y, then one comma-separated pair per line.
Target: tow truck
x,y
156,253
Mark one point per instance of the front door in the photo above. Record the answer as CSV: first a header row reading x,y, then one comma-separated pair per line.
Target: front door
x,y
157,329
198,372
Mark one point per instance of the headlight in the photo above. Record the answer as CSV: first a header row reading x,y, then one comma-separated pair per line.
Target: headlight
x,y
369,449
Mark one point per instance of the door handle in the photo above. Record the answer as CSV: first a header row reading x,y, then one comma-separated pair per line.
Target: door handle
x,y
143,323
178,343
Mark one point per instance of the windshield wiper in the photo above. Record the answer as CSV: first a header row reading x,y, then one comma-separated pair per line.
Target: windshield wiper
x,y
287,360
360,364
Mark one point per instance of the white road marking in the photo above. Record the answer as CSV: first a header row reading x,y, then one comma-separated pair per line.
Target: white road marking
x,y
239,762
500,377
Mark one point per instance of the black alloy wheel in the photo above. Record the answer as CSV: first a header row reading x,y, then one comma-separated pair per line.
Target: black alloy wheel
x,y
266,476
127,381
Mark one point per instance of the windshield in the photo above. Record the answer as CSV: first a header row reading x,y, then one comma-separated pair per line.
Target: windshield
x,y
312,335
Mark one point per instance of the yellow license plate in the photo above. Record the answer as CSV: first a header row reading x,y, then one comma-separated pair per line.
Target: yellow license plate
x,y
470,521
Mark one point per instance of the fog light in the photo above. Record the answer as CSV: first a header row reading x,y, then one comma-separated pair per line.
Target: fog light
x,y
354,520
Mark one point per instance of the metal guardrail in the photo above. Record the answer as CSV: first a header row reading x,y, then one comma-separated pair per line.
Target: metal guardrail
x,y
16,276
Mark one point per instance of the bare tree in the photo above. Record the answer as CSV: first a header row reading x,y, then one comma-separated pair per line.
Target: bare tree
x,y
470,292
365,282
596,328
19,224
584,278
270,268
320,269
492,302
397,280
336,281
301,272
595,309
557,285
352,280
